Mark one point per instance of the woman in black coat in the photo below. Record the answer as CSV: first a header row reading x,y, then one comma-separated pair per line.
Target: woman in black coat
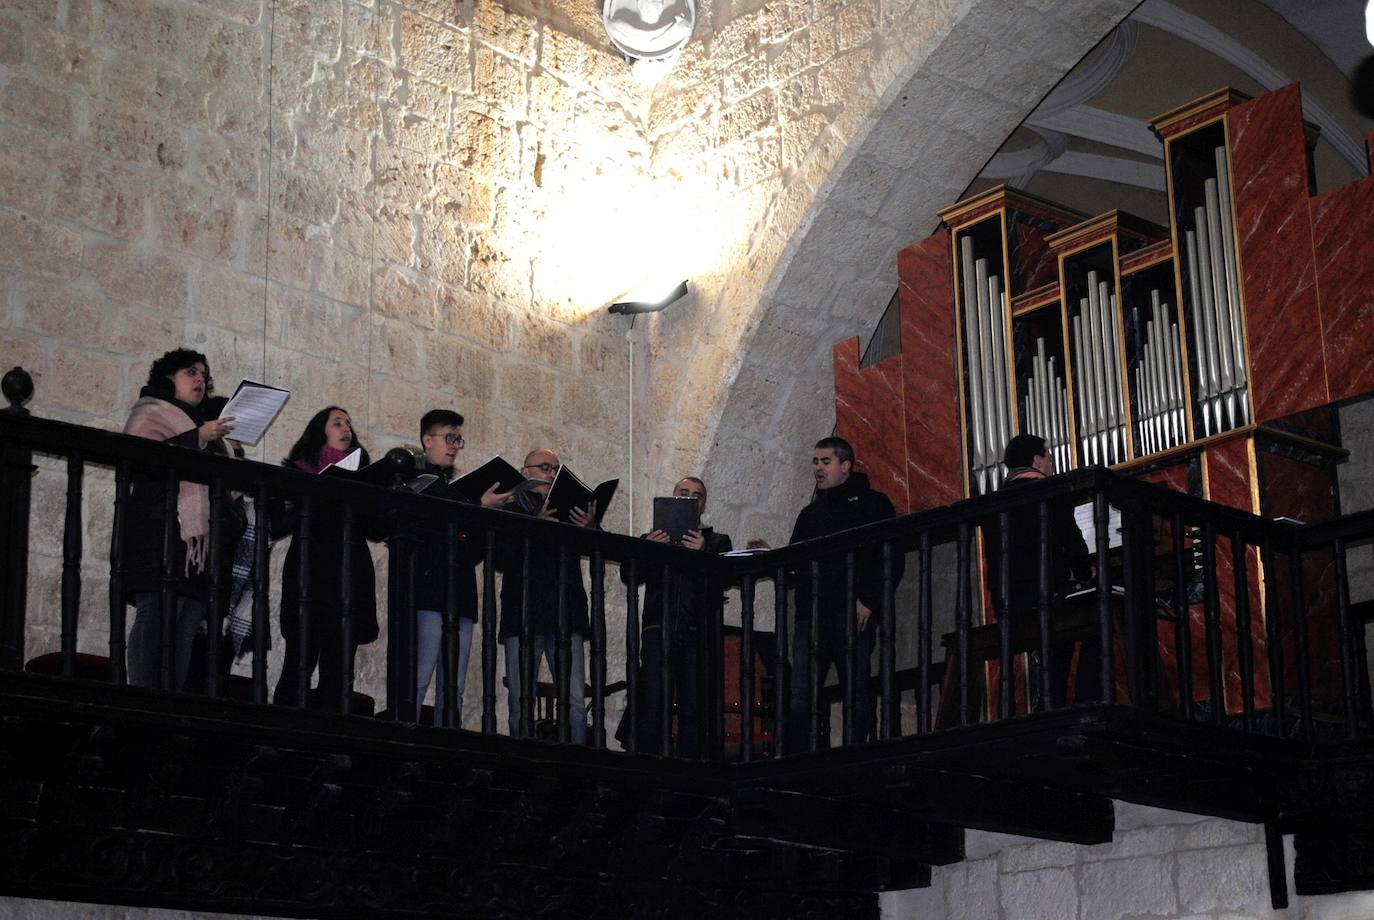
x,y
168,410
327,439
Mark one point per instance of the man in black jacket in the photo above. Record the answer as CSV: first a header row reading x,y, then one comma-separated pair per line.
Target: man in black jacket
x,y
441,437
1028,461
690,605
843,501
543,596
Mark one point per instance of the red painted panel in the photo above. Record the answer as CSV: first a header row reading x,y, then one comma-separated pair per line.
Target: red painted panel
x,y
934,454
1343,239
1279,278
869,415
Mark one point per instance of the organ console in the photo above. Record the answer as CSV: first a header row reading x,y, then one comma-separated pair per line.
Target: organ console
x,y
1206,356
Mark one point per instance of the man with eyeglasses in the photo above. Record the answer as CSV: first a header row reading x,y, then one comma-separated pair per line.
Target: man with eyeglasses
x,y
543,464
441,437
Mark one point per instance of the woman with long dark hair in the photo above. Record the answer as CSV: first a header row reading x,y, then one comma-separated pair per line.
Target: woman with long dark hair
x,y
328,438
168,410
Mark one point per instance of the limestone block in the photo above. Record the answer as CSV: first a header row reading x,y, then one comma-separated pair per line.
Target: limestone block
x,y
1230,878
11,41
38,247
799,135
789,57
1040,855
444,250
460,196
745,77
748,116
196,220
521,383
756,159
372,79
316,326
586,402
760,391
494,271
137,331
1218,833
1130,816
840,77
473,316
1045,894
400,294
398,349
44,11
230,165
551,100
289,254
223,50
308,196
37,105
17,350
971,890
141,27
1123,888
454,364
738,38
305,22
59,58
340,275
23,178
562,53
339,151
1144,841
362,30
494,24
61,311
544,340
854,24
140,83
609,74
434,51
393,405
224,297
783,17
485,144
138,140
232,355
393,233
67,367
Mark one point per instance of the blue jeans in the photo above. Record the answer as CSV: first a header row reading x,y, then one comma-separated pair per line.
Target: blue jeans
x,y
546,647
429,632
144,652
829,650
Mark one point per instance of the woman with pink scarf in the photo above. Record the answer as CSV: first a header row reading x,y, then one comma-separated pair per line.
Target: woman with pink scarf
x,y
168,410
327,438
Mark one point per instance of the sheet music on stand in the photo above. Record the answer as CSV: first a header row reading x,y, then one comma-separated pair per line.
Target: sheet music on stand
x,y
1083,516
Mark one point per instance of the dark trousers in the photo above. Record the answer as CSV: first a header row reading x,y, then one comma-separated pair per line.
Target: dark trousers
x,y
829,650
686,691
322,649
1087,684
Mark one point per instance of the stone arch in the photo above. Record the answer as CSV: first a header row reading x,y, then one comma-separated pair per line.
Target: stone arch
x,y
922,138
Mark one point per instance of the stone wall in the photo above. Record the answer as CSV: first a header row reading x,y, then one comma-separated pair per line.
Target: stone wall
x,y
1160,865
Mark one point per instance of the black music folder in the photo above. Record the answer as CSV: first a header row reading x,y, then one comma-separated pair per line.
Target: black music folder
x,y
675,515
569,492
378,472
496,471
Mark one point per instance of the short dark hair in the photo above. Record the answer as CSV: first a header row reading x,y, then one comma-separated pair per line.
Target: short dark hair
x,y
439,418
1023,449
844,451
697,481
178,359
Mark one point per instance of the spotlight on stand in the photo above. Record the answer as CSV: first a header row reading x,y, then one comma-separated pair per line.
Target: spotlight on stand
x,y
649,304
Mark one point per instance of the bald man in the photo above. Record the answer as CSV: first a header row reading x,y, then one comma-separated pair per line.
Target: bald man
x,y
543,464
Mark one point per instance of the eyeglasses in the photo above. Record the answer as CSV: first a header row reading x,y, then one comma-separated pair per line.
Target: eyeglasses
x,y
544,467
455,440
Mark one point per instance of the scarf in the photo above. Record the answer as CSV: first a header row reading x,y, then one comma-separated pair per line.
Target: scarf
x,y
327,456
159,417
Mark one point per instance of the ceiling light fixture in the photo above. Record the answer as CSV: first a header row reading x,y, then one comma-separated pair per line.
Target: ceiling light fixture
x,y
650,33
